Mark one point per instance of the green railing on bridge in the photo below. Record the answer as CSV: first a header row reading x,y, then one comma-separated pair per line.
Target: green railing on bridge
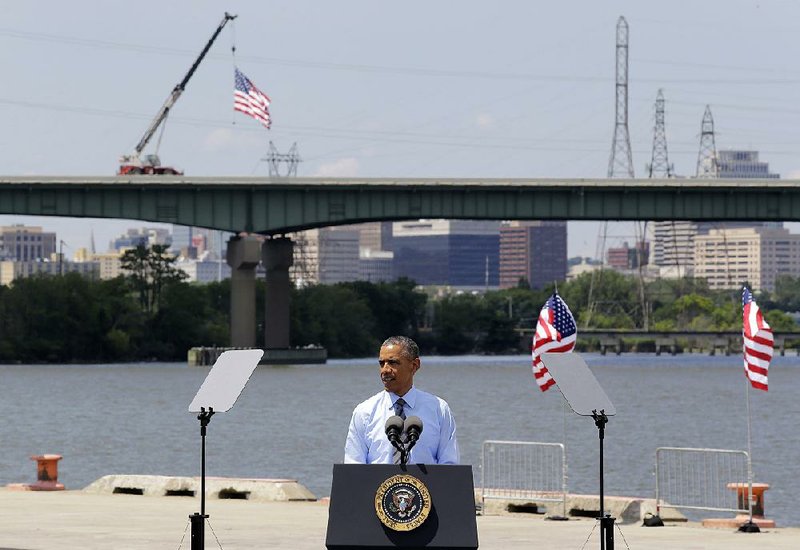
x,y
279,205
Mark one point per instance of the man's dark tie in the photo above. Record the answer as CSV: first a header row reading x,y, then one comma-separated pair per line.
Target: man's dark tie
x,y
398,410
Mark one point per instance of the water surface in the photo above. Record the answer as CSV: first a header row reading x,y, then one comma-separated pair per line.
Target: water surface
x,y
292,421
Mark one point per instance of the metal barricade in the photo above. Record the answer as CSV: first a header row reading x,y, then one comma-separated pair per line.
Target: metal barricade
x,y
702,479
524,470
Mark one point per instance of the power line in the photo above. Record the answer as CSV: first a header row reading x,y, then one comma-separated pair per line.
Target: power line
x,y
382,69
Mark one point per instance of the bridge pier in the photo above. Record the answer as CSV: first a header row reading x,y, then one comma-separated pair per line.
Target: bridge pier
x,y
243,256
277,255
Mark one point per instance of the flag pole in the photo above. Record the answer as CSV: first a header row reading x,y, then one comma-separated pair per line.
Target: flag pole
x,y
749,453
564,459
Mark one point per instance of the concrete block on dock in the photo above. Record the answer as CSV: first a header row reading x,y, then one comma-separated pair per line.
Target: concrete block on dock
x,y
625,509
216,487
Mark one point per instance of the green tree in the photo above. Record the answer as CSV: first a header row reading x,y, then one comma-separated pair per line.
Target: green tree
x,y
786,296
396,307
63,319
185,319
149,271
603,299
779,321
335,317
456,324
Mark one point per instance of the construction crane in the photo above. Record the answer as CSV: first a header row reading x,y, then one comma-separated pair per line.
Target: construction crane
x,y
136,163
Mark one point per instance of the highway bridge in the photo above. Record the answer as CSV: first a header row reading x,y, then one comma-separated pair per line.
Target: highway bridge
x,y
276,206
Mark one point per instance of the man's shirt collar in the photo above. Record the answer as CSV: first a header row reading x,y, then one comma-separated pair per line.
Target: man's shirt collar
x,y
410,398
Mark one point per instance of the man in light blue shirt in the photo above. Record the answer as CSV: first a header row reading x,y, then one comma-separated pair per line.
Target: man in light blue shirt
x,y
366,438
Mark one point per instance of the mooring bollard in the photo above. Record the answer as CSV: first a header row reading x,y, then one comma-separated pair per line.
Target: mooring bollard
x,y
742,491
47,473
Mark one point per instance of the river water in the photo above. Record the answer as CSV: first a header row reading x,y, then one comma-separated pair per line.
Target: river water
x,y
292,421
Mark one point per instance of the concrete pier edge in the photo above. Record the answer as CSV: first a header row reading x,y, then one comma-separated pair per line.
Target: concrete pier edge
x,y
259,489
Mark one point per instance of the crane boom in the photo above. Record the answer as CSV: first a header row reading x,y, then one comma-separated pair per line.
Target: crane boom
x,y
133,159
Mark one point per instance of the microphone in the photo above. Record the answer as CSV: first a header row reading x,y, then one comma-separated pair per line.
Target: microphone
x,y
412,427
394,427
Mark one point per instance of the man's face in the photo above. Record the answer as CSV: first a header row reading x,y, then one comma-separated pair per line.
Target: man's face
x,y
397,370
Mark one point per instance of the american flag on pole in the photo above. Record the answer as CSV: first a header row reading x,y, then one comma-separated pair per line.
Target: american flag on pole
x,y
555,332
758,342
250,100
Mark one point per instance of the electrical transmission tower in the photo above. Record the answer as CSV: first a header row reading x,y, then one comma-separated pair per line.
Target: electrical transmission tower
x,y
621,162
673,240
707,166
659,166
275,159
305,254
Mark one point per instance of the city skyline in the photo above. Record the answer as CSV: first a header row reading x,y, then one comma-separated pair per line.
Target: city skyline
x,y
538,101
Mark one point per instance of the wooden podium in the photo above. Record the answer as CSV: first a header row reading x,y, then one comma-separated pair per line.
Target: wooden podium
x,y
362,495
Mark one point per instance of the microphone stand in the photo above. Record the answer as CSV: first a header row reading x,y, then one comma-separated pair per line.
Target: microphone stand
x,y
198,540
606,521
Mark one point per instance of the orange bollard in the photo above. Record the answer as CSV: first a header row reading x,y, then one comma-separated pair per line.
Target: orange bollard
x,y
46,473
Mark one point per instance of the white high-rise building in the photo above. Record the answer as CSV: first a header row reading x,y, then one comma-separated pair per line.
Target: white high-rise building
x,y
728,258
674,248
26,243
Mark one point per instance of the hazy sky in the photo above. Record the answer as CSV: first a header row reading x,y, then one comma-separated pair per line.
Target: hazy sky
x,y
411,89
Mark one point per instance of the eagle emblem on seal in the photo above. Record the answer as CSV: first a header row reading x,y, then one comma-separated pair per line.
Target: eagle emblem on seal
x,y
402,503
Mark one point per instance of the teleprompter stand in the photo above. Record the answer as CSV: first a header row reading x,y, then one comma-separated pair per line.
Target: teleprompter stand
x,y
585,396
218,393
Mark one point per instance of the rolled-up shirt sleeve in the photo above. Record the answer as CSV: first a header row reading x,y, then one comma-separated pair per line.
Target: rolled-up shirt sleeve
x,y
355,447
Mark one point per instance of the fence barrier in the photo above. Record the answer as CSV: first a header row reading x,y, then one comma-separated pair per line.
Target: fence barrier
x,y
524,470
702,479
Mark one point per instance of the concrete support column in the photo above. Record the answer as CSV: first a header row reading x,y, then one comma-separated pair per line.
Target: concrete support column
x,y
243,256
277,257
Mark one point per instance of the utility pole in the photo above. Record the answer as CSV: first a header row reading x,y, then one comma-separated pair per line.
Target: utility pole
x,y
674,241
707,166
620,162
61,257
659,166
275,159
620,165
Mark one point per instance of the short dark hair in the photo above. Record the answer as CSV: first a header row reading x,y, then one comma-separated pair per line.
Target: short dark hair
x,y
410,347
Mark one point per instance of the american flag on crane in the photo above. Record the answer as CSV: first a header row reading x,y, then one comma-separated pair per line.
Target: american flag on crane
x,y
555,332
758,342
250,100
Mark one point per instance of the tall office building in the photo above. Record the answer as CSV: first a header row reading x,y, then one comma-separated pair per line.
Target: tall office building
x,y
729,257
342,253
626,257
327,255
193,242
141,236
338,255
461,253
742,165
533,251
375,266
674,246
25,243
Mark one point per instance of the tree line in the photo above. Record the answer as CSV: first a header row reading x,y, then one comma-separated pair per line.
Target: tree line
x,y
152,313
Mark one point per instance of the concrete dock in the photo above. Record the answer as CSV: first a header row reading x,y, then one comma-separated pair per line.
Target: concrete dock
x,y
78,519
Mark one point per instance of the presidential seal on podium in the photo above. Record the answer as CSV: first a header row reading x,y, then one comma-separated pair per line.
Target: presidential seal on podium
x,y
402,503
